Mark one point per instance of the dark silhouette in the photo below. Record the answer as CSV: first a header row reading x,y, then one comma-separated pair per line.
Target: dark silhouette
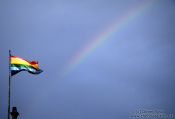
x,y
14,113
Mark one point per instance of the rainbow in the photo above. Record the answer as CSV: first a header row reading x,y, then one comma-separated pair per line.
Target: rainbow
x,y
115,27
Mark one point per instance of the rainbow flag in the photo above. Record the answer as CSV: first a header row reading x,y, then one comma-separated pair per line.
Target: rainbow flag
x,y
19,64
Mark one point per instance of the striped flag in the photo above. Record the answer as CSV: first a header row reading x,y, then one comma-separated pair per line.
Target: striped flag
x,y
19,64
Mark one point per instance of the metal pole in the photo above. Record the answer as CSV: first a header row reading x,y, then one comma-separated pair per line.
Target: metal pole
x,y
9,84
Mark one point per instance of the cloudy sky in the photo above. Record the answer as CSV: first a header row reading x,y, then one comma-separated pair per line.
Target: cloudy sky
x,y
132,69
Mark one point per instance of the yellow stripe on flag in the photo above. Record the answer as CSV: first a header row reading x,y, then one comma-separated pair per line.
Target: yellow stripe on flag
x,y
17,60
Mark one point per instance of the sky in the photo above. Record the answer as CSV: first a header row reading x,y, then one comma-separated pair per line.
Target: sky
x,y
102,59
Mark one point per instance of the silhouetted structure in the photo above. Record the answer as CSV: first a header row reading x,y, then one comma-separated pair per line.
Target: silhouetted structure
x,y
14,113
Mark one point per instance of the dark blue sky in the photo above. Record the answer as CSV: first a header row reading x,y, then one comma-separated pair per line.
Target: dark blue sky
x,y
134,69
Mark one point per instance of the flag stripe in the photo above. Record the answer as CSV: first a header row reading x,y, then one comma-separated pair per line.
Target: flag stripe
x,y
17,60
21,66
15,68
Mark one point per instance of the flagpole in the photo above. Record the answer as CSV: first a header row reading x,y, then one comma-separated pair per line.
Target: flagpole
x,y
9,84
